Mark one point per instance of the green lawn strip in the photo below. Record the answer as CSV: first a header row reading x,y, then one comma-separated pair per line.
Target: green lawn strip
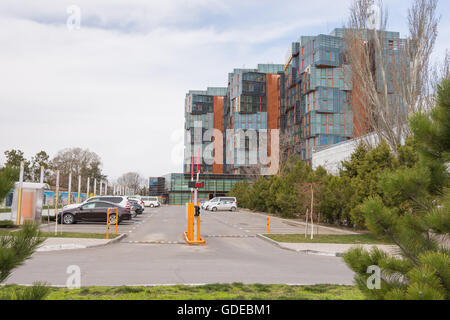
x,y
235,291
364,238
68,235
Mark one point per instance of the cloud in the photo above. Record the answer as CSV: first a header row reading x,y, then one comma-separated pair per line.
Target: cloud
x,y
117,85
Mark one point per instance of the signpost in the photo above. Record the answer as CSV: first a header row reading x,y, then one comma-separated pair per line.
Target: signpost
x,y
69,196
56,204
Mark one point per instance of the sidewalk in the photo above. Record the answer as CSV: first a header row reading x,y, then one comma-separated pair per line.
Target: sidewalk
x,y
327,249
56,244
299,226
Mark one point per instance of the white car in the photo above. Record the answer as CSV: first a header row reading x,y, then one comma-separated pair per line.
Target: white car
x,y
214,201
223,205
151,202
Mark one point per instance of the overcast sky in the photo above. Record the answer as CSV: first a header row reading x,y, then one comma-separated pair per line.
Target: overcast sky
x,y
117,85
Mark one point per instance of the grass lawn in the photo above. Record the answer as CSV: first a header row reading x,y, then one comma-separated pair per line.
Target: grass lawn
x,y
235,291
68,235
364,238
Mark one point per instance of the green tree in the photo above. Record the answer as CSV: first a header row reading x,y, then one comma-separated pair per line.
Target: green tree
x,y
8,176
241,191
258,194
364,170
413,212
41,159
13,160
15,249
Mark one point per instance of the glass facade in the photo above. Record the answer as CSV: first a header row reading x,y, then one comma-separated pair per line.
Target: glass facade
x,y
156,187
199,109
177,191
248,106
316,107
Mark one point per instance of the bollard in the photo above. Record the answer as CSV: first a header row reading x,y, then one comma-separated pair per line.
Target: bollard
x,y
107,221
268,225
107,224
117,219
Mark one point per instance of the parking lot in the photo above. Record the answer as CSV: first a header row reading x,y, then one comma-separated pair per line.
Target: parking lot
x,y
154,252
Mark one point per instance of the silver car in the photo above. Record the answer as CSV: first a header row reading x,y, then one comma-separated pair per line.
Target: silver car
x,y
224,205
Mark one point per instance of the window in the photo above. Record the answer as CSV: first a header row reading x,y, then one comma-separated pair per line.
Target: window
x,y
391,44
102,205
88,206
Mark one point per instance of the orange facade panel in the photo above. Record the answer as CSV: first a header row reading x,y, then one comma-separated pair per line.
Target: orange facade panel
x,y
273,106
218,143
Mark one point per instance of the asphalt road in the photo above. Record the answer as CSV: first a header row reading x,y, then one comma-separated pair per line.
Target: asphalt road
x,y
236,256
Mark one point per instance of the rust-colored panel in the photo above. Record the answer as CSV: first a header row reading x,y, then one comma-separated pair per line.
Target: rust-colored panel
x,y
273,106
27,205
219,125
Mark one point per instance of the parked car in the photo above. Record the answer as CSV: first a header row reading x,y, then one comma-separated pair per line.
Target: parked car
x,y
214,201
151,202
139,201
136,206
94,211
224,205
119,200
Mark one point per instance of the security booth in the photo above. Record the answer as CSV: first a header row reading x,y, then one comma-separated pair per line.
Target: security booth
x,y
31,197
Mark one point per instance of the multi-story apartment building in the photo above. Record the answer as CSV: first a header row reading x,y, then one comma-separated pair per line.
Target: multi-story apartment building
x,y
252,102
320,105
317,107
204,108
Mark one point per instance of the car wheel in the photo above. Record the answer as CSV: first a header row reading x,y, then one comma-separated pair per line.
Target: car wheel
x,y
233,209
68,218
152,205
112,219
214,209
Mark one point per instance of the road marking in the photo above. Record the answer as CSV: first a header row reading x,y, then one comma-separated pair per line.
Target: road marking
x,y
229,236
157,242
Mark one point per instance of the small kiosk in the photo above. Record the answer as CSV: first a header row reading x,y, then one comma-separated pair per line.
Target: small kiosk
x,y
32,200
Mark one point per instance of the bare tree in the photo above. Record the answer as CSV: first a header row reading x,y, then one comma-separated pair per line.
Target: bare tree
x,y
78,162
132,180
390,77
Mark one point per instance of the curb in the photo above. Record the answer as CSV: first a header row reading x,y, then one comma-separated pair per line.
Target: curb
x,y
68,246
119,238
315,252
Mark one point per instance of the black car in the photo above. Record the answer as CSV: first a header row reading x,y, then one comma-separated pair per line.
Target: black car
x,y
94,212
136,206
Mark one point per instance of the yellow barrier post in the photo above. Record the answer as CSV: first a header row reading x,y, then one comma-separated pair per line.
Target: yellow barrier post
x,y
19,200
189,235
198,229
117,220
19,207
268,225
107,224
